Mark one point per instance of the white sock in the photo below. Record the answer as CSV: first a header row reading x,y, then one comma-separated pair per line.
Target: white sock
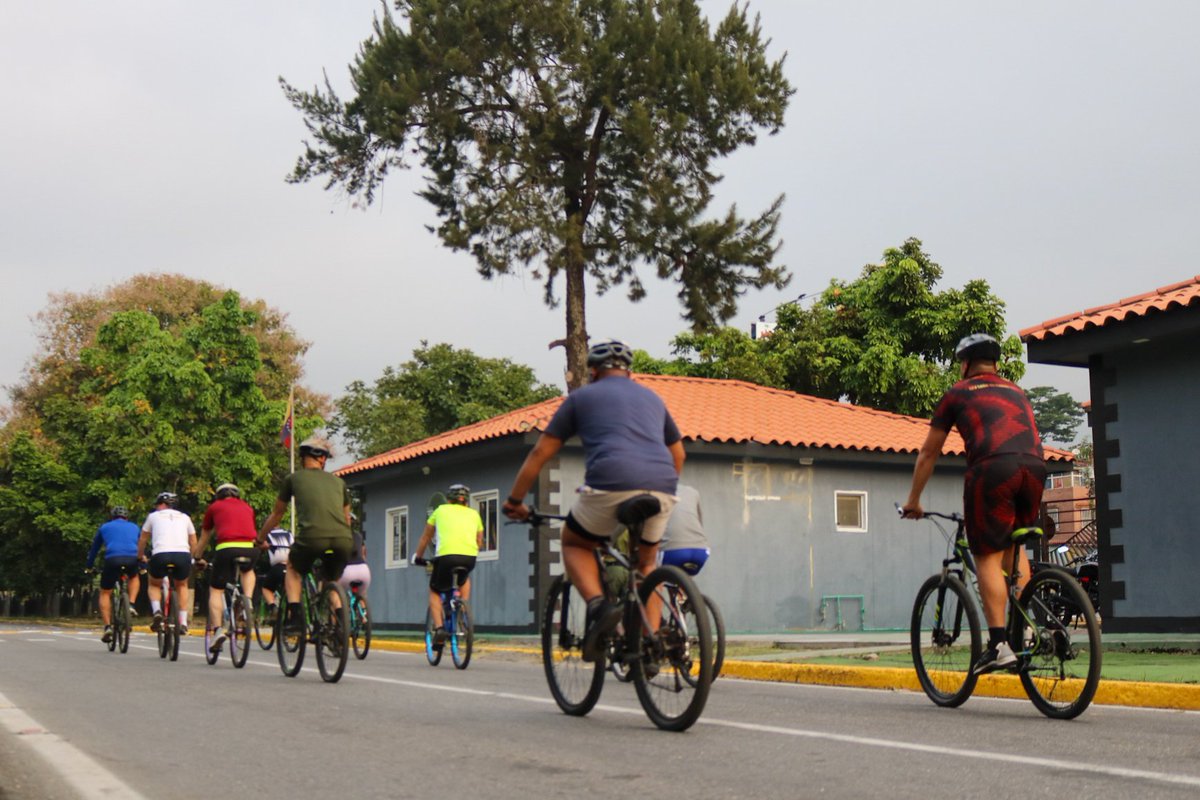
x,y
183,618
156,606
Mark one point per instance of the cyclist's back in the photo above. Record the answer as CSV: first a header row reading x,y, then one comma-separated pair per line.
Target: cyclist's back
x,y
685,544
457,529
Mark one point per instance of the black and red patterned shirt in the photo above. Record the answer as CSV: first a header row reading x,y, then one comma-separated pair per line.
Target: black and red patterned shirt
x,y
992,415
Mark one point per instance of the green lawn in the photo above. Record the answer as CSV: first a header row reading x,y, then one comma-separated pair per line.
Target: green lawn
x,y
1165,667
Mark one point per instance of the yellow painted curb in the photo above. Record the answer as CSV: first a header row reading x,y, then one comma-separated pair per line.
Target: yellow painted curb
x,y
1185,696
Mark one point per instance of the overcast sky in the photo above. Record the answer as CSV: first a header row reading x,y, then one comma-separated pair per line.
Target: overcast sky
x,y
1047,147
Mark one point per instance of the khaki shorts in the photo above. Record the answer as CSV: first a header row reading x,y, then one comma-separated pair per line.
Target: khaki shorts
x,y
596,511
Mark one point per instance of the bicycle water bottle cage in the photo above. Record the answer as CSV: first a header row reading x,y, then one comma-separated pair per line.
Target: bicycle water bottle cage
x,y
1023,535
638,509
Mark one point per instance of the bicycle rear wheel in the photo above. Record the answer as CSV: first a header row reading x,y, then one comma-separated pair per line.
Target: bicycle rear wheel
x,y
360,627
239,632
463,639
209,636
264,629
674,674
124,619
332,630
1061,666
574,683
432,654
717,624
164,630
946,640
175,636
289,645
114,626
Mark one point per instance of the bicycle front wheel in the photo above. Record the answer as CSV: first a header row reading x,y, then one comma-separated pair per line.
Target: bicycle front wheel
x,y
289,644
1060,667
946,640
433,653
209,654
360,627
674,674
239,632
332,632
574,683
264,629
124,619
463,638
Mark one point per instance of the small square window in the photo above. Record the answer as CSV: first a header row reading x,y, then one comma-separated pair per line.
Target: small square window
x,y
488,506
396,536
850,511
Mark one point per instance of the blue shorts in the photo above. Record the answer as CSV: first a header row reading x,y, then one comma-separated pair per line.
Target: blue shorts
x,y
688,559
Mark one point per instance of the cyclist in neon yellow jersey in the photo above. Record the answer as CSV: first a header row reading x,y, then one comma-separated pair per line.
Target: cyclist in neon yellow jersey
x,y
459,532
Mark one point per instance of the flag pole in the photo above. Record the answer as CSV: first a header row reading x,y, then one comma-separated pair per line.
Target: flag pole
x,y
292,456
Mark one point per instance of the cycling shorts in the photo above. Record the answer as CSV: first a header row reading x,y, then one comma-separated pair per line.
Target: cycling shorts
x,y
442,578
220,569
594,515
177,565
115,567
1001,494
305,551
689,559
273,579
356,573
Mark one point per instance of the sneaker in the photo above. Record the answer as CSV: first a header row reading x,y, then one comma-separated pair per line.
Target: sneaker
x,y
218,640
601,620
156,623
272,613
995,658
294,625
183,631
107,637
439,637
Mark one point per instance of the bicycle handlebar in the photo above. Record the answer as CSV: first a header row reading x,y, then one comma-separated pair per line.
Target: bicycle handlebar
x,y
536,518
953,517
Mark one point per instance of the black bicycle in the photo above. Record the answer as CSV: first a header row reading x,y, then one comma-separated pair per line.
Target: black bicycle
x,y
1052,629
360,621
456,622
121,611
236,621
665,645
325,625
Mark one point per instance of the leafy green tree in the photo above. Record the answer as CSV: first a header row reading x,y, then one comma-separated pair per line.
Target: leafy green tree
x,y
1057,413
884,340
570,137
439,389
152,407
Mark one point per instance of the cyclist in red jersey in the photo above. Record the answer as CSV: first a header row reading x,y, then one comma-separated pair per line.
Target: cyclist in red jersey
x,y
1006,471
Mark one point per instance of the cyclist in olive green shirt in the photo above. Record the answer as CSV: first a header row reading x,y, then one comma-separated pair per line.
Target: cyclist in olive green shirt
x,y
322,521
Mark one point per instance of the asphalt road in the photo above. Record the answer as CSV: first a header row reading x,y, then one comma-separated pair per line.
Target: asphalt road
x,y
134,725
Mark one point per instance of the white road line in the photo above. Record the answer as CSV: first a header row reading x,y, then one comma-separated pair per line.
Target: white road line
x,y
91,780
39,640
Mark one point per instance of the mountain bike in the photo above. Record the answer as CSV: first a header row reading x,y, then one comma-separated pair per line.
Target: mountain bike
x,y
325,624
360,621
235,618
668,656
456,621
1052,629
171,629
122,612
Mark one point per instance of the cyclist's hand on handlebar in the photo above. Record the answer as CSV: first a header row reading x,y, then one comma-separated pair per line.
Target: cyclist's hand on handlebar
x,y
417,561
517,511
911,510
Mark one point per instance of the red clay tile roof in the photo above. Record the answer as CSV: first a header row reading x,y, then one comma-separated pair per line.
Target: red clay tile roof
x,y
709,410
1177,295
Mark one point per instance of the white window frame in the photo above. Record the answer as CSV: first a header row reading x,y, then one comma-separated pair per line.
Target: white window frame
x,y
389,537
482,498
862,500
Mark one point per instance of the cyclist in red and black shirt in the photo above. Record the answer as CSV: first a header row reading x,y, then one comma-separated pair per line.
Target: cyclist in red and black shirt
x,y
1006,472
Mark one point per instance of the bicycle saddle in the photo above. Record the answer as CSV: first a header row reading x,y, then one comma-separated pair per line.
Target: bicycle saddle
x,y
638,509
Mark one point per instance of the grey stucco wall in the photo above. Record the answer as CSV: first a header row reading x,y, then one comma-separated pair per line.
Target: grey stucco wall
x,y
1157,395
776,549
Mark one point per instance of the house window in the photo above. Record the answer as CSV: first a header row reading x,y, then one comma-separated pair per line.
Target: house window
x,y
850,511
396,536
488,506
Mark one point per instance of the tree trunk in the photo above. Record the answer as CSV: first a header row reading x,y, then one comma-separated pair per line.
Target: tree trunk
x,y
576,342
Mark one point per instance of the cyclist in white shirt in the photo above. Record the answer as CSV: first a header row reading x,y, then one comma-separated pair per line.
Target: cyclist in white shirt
x,y
172,537
278,544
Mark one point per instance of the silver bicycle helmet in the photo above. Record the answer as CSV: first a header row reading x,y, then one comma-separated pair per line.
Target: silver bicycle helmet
x,y
610,354
228,490
978,345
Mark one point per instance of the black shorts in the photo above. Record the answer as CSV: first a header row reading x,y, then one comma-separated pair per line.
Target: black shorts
x,y
220,569
273,579
1002,494
177,565
334,553
115,567
442,579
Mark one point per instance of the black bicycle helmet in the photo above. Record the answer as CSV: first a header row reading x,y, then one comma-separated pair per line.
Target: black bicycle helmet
x,y
459,492
120,512
610,354
169,498
228,490
978,345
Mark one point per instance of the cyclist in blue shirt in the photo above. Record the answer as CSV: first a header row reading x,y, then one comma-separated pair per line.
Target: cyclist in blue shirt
x,y
119,537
